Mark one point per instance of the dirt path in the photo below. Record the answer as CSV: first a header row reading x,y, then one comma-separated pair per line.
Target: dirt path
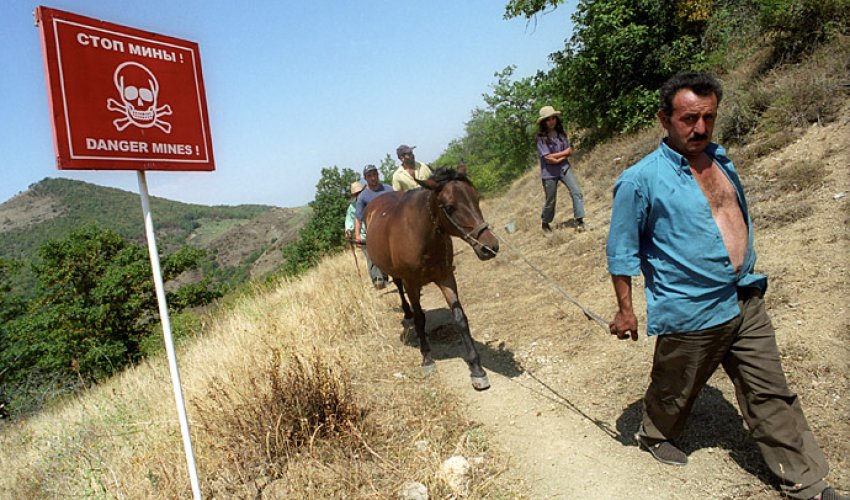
x,y
555,451
565,398
563,445
565,441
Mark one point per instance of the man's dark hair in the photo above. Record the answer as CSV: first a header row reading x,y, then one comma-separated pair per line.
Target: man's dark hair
x,y
702,84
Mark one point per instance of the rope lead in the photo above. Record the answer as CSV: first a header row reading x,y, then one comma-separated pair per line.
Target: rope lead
x,y
587,312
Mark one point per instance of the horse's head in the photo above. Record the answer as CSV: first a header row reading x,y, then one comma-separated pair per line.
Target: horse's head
x,y
457,211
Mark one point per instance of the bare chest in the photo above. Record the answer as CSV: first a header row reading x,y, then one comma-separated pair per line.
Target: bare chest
x,y
726,211
717,188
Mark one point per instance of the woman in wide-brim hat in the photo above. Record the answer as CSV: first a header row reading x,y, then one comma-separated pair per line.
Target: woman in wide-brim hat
x,y
546,112
554,150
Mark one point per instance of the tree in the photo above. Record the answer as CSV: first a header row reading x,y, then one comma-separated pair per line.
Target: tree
x,y
619,55
324,232
529,8
620,52
387,168
510,131
799,26
95,304
498,145
12,304
604,81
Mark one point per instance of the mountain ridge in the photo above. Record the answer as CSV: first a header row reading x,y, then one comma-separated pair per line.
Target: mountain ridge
x,y
51,208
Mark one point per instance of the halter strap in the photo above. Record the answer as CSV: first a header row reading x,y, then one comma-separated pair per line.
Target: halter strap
x,y
470,237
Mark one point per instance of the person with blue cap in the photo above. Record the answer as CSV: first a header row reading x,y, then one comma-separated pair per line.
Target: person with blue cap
x,y
374,188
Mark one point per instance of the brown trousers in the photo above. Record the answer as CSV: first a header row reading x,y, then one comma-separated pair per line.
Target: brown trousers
x,y
746,347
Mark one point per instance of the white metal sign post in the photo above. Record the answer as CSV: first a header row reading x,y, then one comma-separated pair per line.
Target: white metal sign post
x,y
126,99
166,332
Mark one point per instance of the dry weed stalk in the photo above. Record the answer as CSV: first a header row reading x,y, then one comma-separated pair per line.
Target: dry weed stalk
x,y
279,411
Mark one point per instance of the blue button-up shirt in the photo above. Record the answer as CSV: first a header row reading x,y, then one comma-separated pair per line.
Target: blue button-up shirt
x,y
661,224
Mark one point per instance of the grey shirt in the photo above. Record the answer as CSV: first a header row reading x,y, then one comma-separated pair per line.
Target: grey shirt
x,y
368,195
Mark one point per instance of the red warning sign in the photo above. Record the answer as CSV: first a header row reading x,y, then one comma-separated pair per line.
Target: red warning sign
x,y
122,98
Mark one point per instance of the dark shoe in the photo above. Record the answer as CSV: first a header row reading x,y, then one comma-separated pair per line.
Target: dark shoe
x,y
581,226
665,452
830,494
546,228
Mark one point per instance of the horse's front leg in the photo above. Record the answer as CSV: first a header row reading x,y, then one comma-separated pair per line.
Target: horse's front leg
x,y
408,313
479,376
413,294
407,322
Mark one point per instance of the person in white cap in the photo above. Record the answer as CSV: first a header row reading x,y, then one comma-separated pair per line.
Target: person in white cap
x,y
404,178
554,150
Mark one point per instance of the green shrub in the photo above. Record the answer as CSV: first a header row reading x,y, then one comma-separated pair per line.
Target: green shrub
x,y
324,231
800,26
94,307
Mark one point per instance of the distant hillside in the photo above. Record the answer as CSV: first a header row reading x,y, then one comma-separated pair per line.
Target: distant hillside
x,y
243,240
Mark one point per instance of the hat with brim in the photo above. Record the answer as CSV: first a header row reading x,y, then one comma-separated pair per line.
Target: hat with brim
x,y
355,188
546,112
369,168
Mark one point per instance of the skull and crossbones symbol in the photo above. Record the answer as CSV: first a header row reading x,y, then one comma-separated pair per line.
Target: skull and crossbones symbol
x,y
139,90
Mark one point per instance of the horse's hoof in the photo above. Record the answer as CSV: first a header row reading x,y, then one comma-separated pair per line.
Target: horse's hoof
x,y
429,369
480,383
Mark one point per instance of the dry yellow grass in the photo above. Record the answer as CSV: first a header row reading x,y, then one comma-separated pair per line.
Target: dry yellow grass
x,y
122,439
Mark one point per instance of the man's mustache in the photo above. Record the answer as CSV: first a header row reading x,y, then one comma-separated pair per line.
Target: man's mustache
x,y
698,137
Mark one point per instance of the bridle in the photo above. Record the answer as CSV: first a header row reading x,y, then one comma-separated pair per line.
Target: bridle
x,y
471,237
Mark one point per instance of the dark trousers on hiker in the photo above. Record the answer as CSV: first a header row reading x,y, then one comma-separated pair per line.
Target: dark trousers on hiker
x,y
746,348
550,190
374,273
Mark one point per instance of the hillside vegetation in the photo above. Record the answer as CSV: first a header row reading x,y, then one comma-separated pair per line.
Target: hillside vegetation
x,y
52,208
606,78
77,302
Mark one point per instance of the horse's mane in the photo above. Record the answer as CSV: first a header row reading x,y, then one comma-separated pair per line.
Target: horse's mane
x,y
444,175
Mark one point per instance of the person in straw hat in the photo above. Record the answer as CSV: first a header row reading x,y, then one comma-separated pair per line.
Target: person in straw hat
x,y
353,191
554,150
350,217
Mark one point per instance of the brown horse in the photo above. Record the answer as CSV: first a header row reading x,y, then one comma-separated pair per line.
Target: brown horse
x,y
410,240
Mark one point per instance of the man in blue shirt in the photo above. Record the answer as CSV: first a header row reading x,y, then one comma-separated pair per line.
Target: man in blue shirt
x,y
680,218
374,188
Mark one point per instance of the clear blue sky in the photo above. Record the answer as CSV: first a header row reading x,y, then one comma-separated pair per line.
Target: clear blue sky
x,y
292,87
